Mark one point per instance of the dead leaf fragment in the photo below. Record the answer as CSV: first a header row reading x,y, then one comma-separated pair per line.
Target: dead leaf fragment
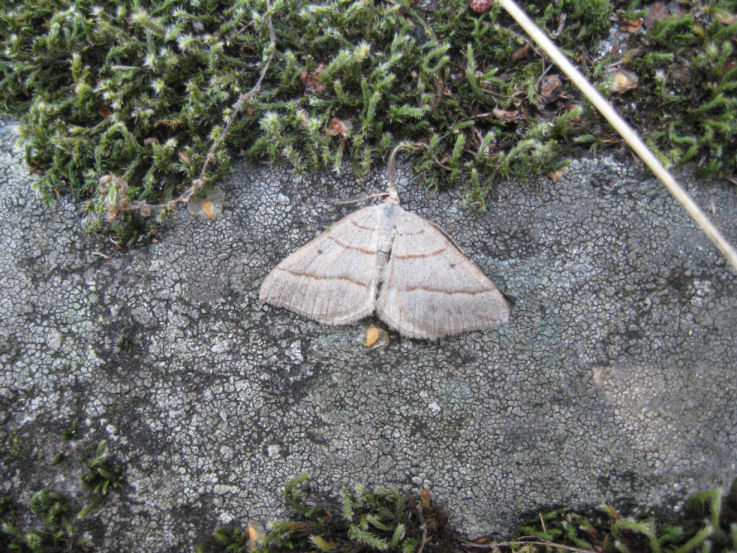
x,y
480,6
376,335
208,208
521,52
338,127
311,82
551,88
631,26
256,532
505,115
425,498
624,80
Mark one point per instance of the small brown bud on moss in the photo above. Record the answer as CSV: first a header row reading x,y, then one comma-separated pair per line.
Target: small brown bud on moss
x,y
480,6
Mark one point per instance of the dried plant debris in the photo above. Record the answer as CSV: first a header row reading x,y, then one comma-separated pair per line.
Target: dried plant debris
x,y
207,207
143,93
376,336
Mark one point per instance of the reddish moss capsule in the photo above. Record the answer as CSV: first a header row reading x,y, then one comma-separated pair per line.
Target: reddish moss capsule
x,y
480,6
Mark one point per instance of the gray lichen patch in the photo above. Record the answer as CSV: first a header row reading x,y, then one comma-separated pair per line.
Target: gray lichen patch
x,y
613,379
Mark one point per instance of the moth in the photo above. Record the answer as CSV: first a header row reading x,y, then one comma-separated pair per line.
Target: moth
x,y
390,261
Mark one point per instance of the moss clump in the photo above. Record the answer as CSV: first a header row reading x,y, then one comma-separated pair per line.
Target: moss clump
x,y
130,103
384,520
59,525
103,475
137,92
687,63
708,525
58,532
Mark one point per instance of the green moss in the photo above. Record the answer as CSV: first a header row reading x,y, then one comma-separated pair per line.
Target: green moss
x,y
384,520
57,533
688,85
58,524
365,521
379,520
103,475
122,100
142,90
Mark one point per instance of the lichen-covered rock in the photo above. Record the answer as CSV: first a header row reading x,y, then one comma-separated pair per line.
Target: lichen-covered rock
x,y
614,378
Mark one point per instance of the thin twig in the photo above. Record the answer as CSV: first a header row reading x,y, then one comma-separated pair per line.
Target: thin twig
x,y
498,544
237,107
361,199
542,75
627,132
425,537
441,164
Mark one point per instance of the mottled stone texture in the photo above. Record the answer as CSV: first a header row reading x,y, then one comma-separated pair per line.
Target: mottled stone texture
x,y
614,380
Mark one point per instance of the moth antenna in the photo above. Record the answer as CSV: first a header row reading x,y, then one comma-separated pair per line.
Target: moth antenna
x,y
391,175
391,168
391,194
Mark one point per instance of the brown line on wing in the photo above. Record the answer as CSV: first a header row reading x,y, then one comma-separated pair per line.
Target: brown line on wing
x,y
318,277
447,292
418,255
349,247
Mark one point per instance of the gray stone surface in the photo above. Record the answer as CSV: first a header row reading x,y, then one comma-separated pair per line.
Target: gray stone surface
x,y
615,379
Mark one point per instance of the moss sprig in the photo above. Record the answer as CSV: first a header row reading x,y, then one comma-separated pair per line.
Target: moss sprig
x,y
59,523
688,63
